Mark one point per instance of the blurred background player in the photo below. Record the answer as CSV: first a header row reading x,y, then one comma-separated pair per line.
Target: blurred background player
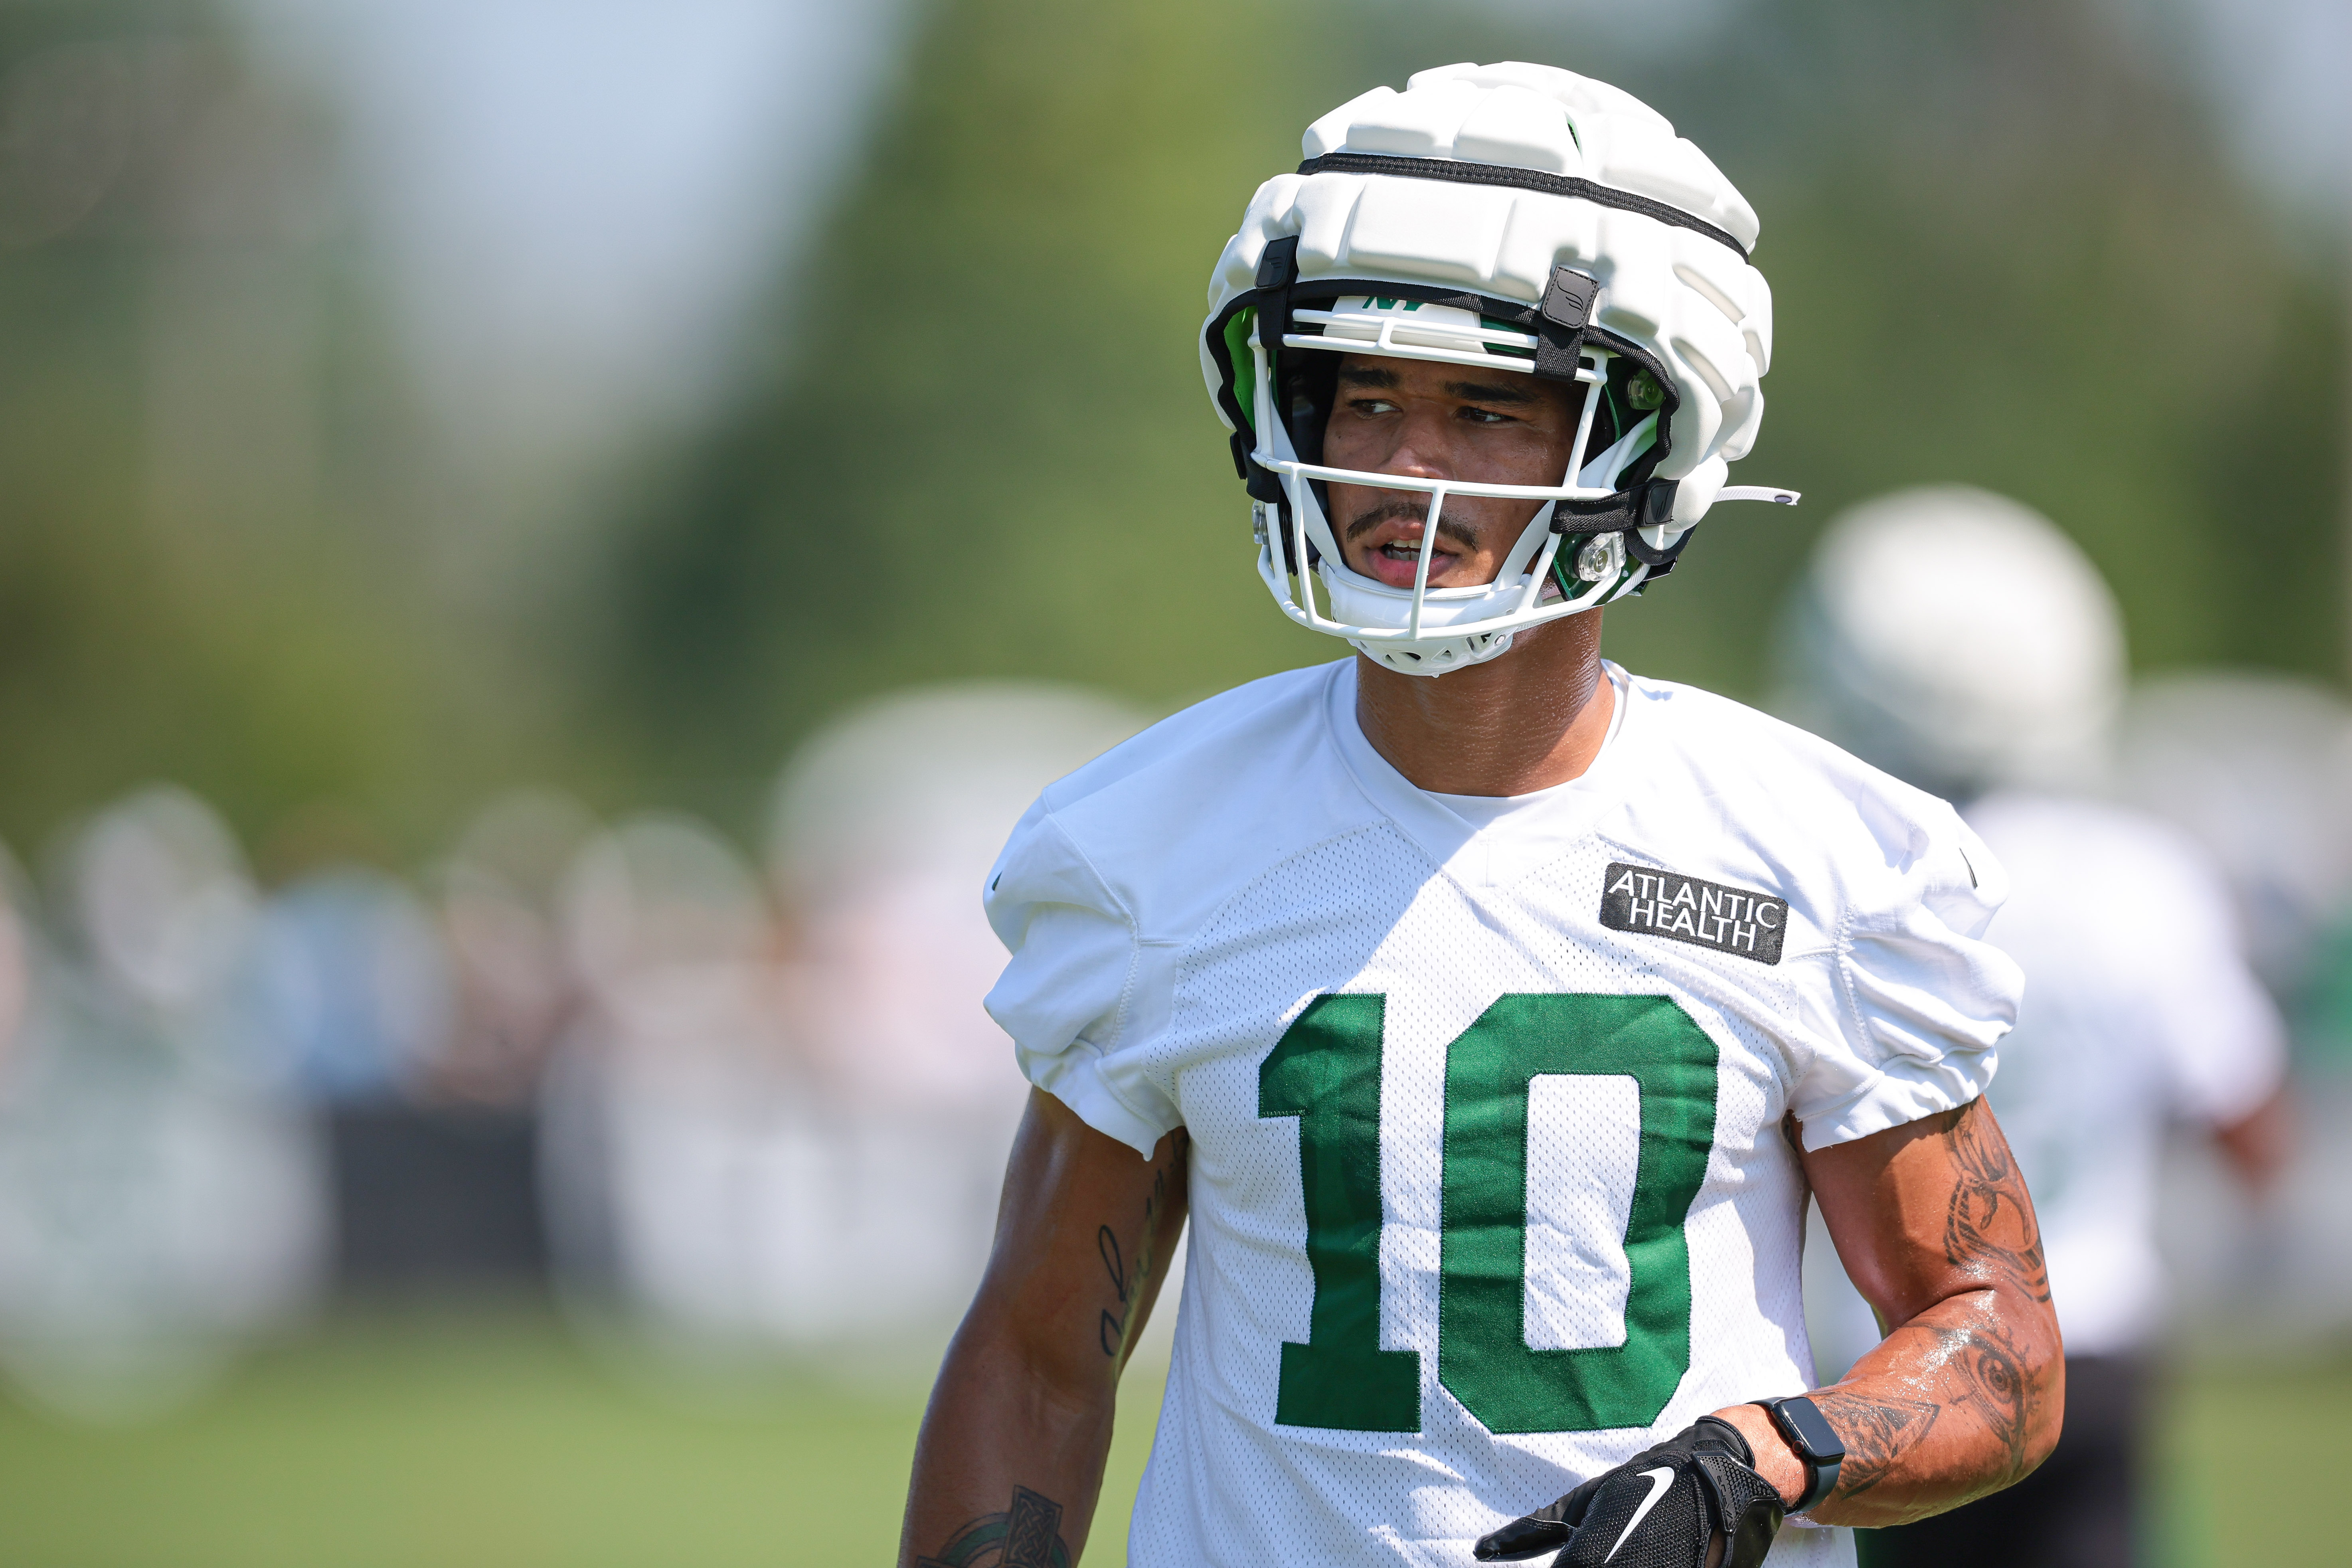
x,y
1960,641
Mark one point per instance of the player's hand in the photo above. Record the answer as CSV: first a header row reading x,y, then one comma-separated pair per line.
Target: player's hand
x,y
1666,1508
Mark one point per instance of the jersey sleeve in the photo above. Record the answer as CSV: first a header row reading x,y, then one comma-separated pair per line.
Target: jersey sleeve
x,y
1065,995
1919,998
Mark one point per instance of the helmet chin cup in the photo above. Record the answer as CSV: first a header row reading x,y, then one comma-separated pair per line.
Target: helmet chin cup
x,y
1359,601
1435,658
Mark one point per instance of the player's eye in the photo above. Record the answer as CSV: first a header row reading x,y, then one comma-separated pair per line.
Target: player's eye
x,y
1371,406
1485,416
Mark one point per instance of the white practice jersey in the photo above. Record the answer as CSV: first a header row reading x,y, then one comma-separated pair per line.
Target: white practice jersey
x,y
1489,1185
2141,1011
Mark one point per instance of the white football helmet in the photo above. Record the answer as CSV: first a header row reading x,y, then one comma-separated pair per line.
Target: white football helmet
x,y
1958,640
1517,218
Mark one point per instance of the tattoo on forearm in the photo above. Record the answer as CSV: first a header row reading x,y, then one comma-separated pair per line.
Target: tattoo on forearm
x,y
1963,1373
1990,1226
1877,1432
1993,1385
1112,1327
1026,1535
1978,1369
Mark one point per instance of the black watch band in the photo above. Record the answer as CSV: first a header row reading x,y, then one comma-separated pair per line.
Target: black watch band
x,y
1812,1439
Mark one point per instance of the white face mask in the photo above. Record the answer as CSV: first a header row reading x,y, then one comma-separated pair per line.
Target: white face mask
x,y
1423,630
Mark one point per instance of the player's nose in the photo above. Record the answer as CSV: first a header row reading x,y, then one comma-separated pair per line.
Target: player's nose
x,y
1423,451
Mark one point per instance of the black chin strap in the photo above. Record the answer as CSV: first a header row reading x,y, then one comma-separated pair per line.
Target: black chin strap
x,y
1650,504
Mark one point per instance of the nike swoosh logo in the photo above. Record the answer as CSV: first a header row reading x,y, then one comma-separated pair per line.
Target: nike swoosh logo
x,y
1660,1480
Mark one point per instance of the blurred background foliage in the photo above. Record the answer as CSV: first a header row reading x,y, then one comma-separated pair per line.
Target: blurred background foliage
x,y
963,434
209,515
378,433
2004,245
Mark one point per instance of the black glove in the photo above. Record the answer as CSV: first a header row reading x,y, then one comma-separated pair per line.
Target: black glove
x,y
1661,1508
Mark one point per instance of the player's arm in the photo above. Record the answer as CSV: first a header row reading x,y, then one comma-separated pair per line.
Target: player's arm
x,y
1965,1393
1960,1399
2259,1143
1020,1422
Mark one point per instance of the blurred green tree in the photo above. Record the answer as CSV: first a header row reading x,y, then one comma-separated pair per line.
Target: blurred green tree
x,y
208,568
2004,249
983,452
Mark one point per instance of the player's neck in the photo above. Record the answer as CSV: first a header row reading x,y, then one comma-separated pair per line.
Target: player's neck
x,y
1534,718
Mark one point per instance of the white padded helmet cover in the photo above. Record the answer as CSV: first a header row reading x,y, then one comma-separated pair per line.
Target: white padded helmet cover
x,y
1689,299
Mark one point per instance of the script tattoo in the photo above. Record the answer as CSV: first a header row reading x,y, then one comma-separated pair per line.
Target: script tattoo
x,y
1990,1226
1111,1328
1876,1433
1026,1535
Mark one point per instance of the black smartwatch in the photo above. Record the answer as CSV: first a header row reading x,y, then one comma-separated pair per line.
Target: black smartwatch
x,y
1809,1433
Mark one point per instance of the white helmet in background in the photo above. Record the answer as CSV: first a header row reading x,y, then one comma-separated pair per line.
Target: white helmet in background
x,y
1515,218
1958,640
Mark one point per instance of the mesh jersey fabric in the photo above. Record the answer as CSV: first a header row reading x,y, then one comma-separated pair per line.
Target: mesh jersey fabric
x,y
1249,882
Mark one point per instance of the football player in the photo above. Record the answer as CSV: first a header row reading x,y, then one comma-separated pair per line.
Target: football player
x,y
1490,1010
1958,639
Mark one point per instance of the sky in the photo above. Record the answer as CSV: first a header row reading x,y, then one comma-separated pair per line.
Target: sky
x,y
2273,72
577,198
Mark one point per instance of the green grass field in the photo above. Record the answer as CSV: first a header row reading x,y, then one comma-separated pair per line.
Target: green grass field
x,y
496,1441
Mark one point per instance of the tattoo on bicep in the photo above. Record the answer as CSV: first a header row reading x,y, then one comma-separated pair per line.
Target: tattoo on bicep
x,y
1877,1432
1026,1535
1989,1224
1111,1328
1107,1244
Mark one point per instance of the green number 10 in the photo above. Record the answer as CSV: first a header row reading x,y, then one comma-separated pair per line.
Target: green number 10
x,y
1326,1072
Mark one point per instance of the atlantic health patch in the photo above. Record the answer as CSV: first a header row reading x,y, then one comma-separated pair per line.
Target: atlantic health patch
x,y
1704,914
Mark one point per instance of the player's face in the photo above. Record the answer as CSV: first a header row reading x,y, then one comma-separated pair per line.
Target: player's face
x,y
1447,421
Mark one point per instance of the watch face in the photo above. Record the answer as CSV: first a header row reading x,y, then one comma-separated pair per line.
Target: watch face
x,y
1803,1420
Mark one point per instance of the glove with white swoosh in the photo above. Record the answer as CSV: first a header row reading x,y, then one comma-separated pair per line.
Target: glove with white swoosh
x,y
1661,1508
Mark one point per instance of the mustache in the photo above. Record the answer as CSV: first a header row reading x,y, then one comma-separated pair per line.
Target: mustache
x,y
1409,511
